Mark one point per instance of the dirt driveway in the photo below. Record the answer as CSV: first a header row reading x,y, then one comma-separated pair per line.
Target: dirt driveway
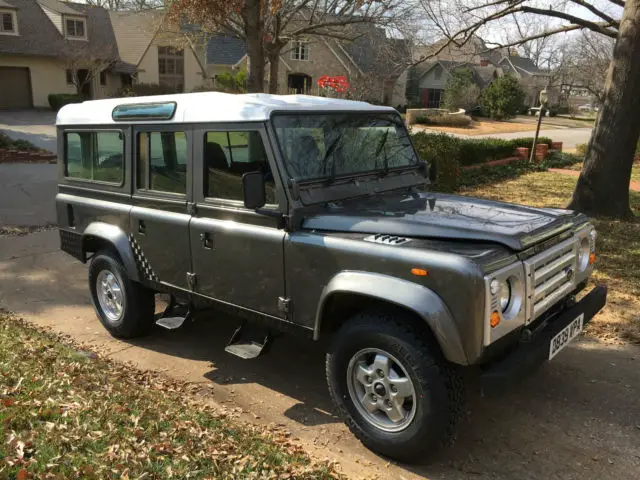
x,y
577,418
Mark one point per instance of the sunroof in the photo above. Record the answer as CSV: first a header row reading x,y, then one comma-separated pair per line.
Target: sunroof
x,y
145,111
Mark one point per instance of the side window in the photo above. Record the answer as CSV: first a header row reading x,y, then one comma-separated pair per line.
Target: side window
x,y
162,161
228,156
97,156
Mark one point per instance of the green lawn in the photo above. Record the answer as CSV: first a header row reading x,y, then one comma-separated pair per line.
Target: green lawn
x,y
65,414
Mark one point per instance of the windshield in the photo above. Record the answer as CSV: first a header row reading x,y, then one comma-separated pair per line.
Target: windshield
x,y
335,144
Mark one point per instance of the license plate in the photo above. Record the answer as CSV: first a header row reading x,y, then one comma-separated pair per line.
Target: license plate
x,y
564,337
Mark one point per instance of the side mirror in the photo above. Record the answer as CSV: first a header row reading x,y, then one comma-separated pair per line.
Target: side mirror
x,y
432,171
253,190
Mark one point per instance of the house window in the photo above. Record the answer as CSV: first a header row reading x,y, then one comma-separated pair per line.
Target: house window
x,y
70,80
75,28
103,77
171,68
7,23
435,97
300,50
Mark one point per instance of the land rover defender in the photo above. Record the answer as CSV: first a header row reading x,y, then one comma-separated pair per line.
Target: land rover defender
x,y
314,216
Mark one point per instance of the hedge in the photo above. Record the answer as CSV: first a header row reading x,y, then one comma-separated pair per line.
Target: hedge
x,y
450,154
462,121
145,90
59,100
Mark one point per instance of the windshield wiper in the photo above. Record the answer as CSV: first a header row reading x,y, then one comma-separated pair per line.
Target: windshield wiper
x,y
327,154
381,147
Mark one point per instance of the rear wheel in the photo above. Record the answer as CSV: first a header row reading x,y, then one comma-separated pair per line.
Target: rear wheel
x,y
124,307
399,396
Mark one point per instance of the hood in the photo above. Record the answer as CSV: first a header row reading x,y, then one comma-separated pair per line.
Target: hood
x,y
432,215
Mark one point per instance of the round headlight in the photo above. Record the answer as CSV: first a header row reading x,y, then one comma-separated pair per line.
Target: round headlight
x,y
504,295
584,250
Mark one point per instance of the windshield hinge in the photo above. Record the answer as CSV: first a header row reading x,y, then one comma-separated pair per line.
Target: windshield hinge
x,y
191,208
295,188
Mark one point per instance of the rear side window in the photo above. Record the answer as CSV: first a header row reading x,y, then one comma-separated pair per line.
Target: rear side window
x,y
228,156
96,156
162,161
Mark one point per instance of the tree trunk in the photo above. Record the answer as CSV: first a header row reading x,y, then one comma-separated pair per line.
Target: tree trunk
x,y
603,186
273,56
254,32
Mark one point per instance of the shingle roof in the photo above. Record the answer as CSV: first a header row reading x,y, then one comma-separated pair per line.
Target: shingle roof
x,y
225,50
374,53
525,65
134,31
39,36
59,7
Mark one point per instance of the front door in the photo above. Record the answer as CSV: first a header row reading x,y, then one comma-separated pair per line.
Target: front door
x,y
237,253
159,217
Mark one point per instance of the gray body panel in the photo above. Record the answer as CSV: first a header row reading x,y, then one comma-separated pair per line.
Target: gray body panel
x,y
443,216
314,259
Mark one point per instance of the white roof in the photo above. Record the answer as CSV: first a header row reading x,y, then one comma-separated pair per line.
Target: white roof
x,y
210,107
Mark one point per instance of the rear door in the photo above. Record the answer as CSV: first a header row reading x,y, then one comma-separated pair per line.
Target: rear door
x,y
237,253
162,190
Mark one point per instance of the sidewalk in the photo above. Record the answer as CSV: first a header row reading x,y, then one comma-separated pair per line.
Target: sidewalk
x,y
633,186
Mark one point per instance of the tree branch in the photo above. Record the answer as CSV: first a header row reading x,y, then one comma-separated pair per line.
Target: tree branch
x,y
598,12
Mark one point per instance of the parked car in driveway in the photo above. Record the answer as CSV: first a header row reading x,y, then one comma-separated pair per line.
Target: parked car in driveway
x,y
313,216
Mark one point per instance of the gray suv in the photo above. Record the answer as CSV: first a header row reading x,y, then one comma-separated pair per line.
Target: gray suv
x,y
313,216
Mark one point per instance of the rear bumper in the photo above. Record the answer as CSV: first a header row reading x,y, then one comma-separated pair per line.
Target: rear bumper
x,y
529,355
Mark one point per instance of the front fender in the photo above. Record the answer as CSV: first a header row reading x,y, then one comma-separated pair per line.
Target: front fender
x,y
417,298
119,239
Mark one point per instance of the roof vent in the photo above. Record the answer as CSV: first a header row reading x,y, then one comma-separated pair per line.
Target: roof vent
x,y
386,239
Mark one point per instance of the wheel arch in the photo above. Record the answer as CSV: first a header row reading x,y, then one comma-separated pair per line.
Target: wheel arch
x,y
351,291
104,236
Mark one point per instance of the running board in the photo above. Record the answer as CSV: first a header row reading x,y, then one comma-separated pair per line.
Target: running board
x,y
174,316
247,347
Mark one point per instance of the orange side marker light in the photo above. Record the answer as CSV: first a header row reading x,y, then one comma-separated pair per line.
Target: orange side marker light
x,y
419,272
494,320
592,259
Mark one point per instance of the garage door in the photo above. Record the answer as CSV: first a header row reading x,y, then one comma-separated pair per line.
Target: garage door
x,y
15,90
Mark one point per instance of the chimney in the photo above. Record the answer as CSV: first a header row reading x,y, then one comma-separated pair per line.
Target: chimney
x,y
484,62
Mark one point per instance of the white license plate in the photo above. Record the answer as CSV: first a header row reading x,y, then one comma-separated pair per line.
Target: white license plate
x,y
564,337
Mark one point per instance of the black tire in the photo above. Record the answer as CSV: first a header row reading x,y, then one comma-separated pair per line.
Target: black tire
x,y
138,309
439,388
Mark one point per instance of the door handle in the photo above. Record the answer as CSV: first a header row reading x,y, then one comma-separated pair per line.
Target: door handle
x,y
142,229
206,240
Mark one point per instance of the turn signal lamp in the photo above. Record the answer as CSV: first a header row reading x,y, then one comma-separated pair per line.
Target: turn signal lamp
x,y
494,320
419,272
592,259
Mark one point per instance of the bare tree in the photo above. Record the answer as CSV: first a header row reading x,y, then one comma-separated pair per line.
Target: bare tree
x,y
603,186
85,65
134,5
267,26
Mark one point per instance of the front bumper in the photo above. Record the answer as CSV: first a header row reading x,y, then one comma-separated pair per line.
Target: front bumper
x,y
530,354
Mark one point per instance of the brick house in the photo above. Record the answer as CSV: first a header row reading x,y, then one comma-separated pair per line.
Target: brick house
x,y
303,61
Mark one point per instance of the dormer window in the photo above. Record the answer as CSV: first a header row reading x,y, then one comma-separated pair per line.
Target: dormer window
x,y
8,24
75,28
300,50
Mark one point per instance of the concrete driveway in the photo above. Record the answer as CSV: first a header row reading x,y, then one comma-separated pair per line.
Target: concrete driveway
x,y
37,126
27,194
570,137
576,418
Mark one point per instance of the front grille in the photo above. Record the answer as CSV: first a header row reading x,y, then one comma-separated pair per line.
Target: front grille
x,y
550,277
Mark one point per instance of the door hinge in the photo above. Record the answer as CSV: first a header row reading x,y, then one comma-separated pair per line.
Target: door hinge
x,y
191,208
192,280
284,304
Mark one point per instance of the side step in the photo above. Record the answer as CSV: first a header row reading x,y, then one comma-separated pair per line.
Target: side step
x,y
247,346
174,316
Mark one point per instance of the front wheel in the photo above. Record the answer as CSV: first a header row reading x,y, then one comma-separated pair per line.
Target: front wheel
x,y
125,308
398,395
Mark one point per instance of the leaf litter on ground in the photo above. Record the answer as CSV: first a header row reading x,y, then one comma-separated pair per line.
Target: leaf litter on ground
x,y
67,413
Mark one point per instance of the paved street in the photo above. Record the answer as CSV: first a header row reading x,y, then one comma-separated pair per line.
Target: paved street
x,y
570,137
37,126
27,194
576,418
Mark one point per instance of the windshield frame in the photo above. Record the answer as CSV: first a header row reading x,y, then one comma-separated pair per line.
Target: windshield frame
x,y
347,176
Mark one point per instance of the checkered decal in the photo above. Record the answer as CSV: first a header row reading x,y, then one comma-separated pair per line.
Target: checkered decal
x,y
144,268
